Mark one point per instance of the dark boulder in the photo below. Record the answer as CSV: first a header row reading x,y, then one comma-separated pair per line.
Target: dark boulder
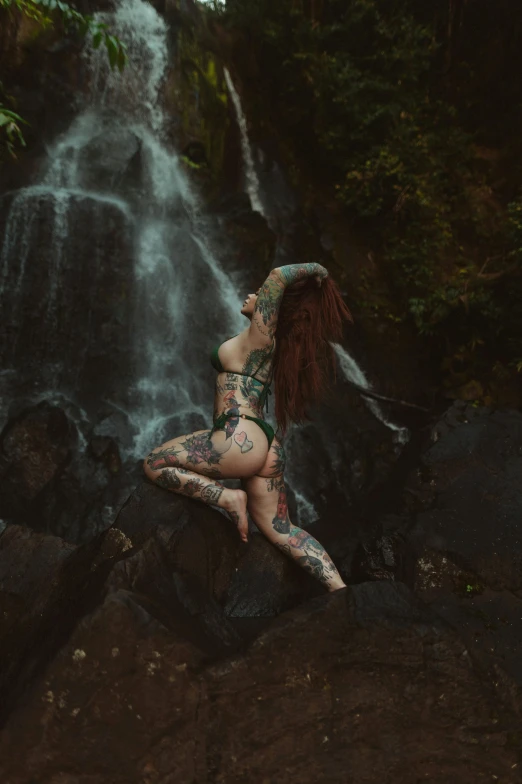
x,y
45,586
35,448
120,701
364,685
199,540
384,554
266,583
470,494
51,483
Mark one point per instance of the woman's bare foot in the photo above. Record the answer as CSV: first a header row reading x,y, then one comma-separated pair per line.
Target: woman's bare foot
x,y
235,503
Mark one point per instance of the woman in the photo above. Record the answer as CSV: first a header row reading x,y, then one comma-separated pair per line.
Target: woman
x,y
293,317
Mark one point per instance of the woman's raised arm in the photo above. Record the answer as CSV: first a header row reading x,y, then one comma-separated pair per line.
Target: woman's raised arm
x,y
264,318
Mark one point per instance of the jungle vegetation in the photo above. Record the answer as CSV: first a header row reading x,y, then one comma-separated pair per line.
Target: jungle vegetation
x,y
47,14
410,112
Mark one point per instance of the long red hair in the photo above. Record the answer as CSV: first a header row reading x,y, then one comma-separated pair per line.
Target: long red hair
x,y
310,318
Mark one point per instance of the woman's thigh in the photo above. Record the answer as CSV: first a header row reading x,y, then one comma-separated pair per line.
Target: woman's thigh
x,y
239,454
266,490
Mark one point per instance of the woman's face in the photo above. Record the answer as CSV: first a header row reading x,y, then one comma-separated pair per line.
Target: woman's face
x,y
249,305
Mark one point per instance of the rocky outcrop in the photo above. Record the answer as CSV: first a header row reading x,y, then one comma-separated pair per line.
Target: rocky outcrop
x,y
54,480
126,659
45,587
364,685
465,526
472,495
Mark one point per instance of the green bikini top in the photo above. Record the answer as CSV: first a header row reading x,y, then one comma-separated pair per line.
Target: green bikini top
x,y
216,364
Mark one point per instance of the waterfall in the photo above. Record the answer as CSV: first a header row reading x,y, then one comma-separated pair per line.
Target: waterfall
x,y
352,372
110,290
113,174
251,179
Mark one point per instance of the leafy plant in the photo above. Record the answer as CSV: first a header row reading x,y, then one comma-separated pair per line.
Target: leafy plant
x,y
49,13
10,123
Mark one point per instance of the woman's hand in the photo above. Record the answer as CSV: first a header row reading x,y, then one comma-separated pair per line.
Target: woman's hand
x,y
291,273
320,275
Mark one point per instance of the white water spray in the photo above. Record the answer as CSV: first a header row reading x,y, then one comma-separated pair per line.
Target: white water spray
x,y
116,153
352,372
251,179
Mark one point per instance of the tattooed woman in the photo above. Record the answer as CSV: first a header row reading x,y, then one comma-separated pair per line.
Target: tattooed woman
x,y
293,317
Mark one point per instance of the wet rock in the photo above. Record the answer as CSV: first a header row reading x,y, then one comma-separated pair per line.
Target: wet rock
x,y
199,540
106,449
470,494
45,585
266,582
35,448
114,424
66,321
113,160
489,621
385,555
177,599
365,682
123,686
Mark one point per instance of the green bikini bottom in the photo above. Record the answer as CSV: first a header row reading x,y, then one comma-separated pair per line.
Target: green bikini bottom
x,y
220,423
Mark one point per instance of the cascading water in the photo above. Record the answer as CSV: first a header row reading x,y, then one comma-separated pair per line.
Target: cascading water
x,y
252,185
352,372
109,287
114,159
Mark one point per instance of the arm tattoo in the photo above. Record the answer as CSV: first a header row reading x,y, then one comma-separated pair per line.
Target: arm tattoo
x,y
291,273
268,303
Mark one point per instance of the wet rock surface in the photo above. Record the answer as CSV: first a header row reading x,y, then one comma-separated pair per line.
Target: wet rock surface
x,y
365,684
45,586
53,481
35,447
467,531
157,645
266,583
472,496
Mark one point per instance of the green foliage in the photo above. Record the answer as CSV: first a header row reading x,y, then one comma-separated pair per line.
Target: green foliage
x,y
47,14
10,124
357,91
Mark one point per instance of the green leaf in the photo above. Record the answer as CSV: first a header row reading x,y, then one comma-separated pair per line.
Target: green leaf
x,y
112,51
122,58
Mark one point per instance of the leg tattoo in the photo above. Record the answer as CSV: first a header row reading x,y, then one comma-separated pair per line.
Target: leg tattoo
x,y
299,544
170,468
281,522
211,494
168,479
163,458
